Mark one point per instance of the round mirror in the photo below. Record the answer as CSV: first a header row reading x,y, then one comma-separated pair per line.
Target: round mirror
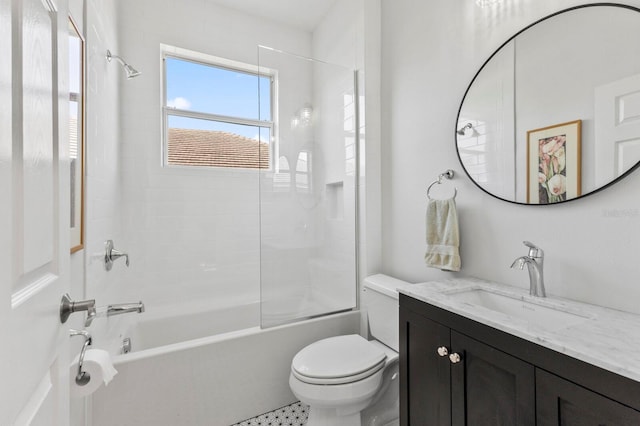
x,y
554,113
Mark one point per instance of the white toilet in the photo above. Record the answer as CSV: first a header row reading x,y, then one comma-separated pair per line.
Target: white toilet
x,y
341,376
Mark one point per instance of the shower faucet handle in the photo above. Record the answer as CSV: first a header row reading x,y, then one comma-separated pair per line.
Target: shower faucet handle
x,y
111,254
115,254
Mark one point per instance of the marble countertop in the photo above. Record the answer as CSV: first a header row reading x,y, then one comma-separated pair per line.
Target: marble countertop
x,y
603,337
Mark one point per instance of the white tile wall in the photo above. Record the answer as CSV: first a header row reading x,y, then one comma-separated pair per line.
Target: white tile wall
x,y
344,26
103,188
191,233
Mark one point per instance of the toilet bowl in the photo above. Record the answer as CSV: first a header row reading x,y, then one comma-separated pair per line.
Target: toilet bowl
x,y
341,376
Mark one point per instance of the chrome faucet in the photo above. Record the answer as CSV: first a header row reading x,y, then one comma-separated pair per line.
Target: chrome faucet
x,y
111,310
535,262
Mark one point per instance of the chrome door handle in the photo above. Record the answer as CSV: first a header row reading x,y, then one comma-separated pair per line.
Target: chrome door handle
x,y
443,351
455,358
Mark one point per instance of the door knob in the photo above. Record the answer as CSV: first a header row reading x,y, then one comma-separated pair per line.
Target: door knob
x,y
443,351
455,358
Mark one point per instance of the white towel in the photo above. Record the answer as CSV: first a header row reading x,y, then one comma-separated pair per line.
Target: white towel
x,y
443,238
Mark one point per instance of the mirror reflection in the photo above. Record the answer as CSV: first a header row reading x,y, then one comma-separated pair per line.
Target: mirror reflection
x,y
76,136
554,114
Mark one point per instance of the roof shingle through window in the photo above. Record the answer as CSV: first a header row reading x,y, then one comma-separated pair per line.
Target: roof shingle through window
x,y
212,148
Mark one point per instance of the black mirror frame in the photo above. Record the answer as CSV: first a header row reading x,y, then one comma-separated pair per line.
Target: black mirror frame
x,y
455,130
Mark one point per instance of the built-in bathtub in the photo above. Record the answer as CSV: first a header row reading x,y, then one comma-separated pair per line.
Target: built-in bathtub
x,y
211,368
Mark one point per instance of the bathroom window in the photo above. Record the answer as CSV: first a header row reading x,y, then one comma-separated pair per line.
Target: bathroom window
x,y
216,112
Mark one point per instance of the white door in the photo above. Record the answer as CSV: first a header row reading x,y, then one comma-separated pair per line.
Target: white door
x,y
617,128
34,213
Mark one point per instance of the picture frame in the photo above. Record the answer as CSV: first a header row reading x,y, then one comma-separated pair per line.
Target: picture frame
x,y
554,163
76,135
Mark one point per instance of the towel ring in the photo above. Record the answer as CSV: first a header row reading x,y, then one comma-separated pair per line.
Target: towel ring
x,y
448,175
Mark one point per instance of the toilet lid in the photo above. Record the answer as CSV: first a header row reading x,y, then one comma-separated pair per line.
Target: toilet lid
x,y
337,359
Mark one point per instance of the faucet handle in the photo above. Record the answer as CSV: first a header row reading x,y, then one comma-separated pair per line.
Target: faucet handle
x,y
534,251
111,254
115,254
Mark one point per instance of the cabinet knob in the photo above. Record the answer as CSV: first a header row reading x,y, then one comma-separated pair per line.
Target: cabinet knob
x,y
443,351
455,358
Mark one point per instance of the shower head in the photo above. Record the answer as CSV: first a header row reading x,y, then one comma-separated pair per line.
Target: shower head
x,y
128,69
461,131
131,71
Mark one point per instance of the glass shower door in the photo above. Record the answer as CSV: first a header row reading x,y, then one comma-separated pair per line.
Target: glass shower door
x,y
308,195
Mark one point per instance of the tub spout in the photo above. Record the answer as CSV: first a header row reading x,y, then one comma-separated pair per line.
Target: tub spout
x,y
115,309
123,308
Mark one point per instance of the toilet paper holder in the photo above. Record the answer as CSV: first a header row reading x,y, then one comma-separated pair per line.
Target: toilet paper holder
x,y
83,377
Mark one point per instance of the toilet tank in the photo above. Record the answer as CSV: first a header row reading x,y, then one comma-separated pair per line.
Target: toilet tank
x,y
380,299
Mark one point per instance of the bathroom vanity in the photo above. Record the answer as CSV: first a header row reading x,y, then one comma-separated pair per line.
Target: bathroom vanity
x,y
478,353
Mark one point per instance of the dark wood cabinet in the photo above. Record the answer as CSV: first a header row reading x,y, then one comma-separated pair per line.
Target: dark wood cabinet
x,y
424,402
448,378
457,372
489,387
560,402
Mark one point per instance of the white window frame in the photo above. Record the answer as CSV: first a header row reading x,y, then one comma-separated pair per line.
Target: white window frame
x,y
215,61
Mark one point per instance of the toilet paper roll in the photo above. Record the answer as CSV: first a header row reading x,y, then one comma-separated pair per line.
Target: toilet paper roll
x,y
97,363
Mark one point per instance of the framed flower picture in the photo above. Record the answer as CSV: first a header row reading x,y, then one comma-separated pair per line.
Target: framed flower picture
x,y
554,163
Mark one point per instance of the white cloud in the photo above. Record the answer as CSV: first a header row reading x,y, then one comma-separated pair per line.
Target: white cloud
x,y
179,103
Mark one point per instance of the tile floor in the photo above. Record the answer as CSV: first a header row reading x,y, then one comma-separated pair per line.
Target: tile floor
x,y
291,415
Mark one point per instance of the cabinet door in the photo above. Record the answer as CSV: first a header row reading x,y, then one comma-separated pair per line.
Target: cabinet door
x,y
560,402
424,374
489,387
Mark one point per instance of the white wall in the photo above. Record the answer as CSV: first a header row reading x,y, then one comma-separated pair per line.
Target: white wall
x,y
102,162
430,52
191,233
77,265
187,231
350,36
195,233
370,191
337,40
96,20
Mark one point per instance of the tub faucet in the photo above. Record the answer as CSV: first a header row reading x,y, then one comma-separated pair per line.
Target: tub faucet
x,y
535,262
111,310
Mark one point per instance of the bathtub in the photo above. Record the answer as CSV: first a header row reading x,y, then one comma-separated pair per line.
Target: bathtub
x,y
212,368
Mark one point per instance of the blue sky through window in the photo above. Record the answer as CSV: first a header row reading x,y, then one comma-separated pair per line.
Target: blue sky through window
x,y
203,88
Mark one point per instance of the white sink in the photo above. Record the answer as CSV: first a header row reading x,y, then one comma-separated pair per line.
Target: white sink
x,y
535,312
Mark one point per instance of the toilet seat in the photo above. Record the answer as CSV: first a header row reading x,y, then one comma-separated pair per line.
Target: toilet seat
x,y
338,360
